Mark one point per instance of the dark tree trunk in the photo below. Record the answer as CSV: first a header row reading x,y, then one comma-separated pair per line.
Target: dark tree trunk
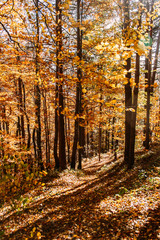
x,y
91,144
134,105
134,113
56,91
107,140
27,118
113,129
76,132
37,93
68,132
155,62
34,143
56,126
62,145
147,130
29,136
78,122
128,90
100,128
68,139
61,130
21,108
46,130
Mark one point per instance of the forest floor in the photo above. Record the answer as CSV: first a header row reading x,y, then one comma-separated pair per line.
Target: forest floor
x,y
102,201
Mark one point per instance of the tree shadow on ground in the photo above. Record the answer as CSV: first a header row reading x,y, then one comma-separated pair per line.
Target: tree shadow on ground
x,y
152,228
76,212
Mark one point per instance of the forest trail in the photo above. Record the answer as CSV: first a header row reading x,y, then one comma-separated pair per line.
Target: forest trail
x,y
103,201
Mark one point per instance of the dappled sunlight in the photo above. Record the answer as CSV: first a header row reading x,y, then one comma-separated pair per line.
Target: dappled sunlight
x,y
115,204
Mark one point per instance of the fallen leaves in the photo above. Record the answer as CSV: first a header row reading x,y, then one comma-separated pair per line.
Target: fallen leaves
x,y
103,201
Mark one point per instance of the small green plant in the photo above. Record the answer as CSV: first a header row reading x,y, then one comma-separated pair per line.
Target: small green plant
x,y
142,174
1,233
122,191
79,173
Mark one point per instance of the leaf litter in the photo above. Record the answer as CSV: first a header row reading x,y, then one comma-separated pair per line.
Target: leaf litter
x,y
102,201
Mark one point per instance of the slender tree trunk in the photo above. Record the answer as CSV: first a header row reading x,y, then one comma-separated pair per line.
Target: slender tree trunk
x,y
34,143
91,144
107,140
155,61
134,104
134,114
3,130
56,126
76,132
18,130
81,129
100,128
113,129
46,130
68,140
147,139
21,108
62,145
68,132
56,91
87,143
79,76
27,118
37,93
128,90
78,128
61,130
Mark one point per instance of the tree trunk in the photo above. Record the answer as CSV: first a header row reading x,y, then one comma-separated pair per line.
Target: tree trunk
x,y
62,145
100,128
134,105
78,128
28,123
21,108
76,132
37,94
128,90
155,62
56,125
147,131
46,130
61,130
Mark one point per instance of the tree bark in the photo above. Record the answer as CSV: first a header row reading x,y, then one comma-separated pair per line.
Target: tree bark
x,y
37,93
128,90
61,129
100,127
155,62
134,104
147,131
78,111
47,133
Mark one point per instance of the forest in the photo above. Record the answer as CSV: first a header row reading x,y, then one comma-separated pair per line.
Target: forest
x,y
79,119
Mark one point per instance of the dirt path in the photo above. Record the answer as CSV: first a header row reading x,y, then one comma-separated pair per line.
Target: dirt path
x,y
104,201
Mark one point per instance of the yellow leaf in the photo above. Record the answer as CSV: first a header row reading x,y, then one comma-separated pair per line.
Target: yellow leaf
x,y
44,173
130,109
155,85
120,110
27,179
125,82
112,85
39,235
34,229
99,47
84,90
